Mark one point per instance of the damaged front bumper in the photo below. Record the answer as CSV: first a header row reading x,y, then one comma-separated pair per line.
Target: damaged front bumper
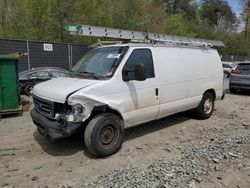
x,y
52,129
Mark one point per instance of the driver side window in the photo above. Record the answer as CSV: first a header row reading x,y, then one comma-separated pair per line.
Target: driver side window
x,y
140,56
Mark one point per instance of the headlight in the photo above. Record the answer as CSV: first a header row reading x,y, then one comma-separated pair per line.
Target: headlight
x,y
76,114
77,109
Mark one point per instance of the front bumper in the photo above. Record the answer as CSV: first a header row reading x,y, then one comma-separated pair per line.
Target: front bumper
x,y
51,128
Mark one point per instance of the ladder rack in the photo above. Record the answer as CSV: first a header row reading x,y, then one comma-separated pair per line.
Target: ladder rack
x,y
86,30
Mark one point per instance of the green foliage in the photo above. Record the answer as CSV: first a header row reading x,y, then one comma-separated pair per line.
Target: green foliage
x,y
45,19
235,44
218,14
12,18
38,16
177,25
185,7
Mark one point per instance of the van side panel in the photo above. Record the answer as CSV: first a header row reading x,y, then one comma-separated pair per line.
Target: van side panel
x,y
184,75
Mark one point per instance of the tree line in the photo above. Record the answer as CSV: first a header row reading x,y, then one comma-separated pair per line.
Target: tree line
x,y
209,19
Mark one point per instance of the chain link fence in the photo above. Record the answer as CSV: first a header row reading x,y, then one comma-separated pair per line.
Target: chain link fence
x,y
63,55
44,54
234,58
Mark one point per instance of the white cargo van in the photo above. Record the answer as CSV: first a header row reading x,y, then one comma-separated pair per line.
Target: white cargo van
x,y
123,85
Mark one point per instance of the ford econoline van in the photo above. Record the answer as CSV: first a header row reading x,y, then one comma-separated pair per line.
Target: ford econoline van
x,y
124,85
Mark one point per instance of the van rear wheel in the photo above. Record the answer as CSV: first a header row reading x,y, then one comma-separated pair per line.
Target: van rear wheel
x,y
206,106
104,135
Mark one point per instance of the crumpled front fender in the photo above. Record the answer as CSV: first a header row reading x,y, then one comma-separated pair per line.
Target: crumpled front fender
x,y
90,103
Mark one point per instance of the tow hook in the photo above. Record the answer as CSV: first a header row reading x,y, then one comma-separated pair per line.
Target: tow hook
x,y
62,121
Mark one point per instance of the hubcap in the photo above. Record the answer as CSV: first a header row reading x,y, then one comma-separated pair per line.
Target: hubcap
x,y
107,135
31,90
208,106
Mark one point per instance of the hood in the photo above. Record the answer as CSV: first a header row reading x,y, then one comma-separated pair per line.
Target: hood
x,y
58,89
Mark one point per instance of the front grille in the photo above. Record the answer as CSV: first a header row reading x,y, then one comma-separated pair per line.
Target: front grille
x,y
43,106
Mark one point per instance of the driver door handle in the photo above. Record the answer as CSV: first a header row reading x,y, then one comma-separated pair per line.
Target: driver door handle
x,y
157,92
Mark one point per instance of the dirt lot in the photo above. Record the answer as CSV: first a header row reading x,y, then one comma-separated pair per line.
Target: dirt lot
x,y
27,159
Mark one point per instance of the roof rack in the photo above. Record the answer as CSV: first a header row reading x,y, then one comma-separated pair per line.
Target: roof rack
x,y
86,30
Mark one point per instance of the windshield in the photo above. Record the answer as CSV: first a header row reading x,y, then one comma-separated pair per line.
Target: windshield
x,y
100,63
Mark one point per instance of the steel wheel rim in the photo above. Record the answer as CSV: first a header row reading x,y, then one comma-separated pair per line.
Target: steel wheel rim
x,y
208,106
107,135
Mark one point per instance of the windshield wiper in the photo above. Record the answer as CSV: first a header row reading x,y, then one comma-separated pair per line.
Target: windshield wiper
x,y
92,75
88,73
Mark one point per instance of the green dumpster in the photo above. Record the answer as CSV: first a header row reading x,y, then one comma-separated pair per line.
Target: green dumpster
x,y
9,85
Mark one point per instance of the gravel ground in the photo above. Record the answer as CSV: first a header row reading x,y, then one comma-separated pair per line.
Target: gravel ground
x,y
177,151
195,164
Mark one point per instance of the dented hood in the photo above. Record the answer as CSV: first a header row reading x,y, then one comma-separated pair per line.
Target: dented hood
x,y
59,89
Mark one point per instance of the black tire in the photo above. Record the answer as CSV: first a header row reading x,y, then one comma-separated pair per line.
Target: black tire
x,y
201,111
232,90
104,135
28,90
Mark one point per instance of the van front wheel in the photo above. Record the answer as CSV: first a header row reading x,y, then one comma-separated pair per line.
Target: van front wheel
x,y
104,135
206,106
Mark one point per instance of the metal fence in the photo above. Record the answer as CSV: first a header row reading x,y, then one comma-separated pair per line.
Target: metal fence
x,y
44,54
234,58
63,55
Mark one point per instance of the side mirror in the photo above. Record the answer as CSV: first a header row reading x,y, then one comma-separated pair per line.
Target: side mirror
x,y
140,72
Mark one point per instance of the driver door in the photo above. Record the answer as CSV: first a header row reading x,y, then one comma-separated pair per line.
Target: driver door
x,y
142,101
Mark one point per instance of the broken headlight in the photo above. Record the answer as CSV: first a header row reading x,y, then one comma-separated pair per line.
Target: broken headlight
x,y
77,109
73,114
76,115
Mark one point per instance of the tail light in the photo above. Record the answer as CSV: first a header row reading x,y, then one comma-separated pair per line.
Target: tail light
x,y
235,71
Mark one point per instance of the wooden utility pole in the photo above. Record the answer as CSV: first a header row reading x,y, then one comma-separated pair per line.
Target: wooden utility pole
x,y
247,25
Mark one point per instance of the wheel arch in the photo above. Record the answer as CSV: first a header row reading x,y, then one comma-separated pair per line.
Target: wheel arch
x,y
212,91
103,109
